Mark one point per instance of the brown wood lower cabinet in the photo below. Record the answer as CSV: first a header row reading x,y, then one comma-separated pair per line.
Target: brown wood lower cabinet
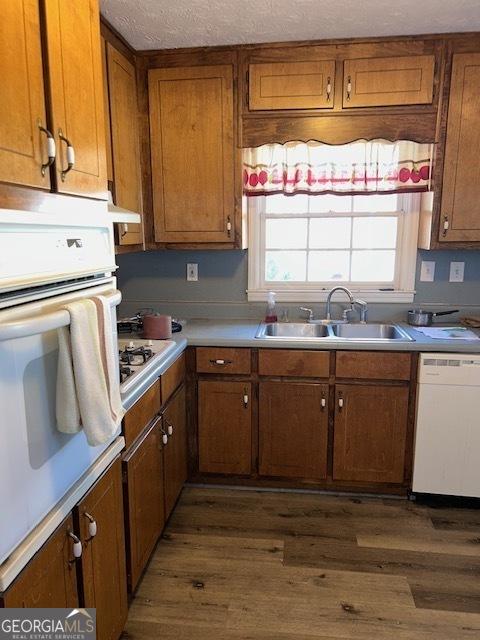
x,y
370,432
103,558
225,427
50,579
145,505
293,429
175,451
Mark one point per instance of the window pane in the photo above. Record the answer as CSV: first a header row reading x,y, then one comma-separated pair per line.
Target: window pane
x,y
330,233
378,202
373,266
328,202
288,233
285,265
375,232
328,266
286,204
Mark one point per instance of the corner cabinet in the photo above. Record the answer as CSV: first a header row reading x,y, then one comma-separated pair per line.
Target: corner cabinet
x,y
460,206
193,153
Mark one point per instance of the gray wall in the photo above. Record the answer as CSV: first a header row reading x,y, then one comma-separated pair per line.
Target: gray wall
x,y
157,279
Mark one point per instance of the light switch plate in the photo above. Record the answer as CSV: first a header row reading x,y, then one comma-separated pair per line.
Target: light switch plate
x,y
457,271
192,272
427,271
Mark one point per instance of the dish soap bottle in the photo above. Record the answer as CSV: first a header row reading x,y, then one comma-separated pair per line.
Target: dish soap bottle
x,y
271,313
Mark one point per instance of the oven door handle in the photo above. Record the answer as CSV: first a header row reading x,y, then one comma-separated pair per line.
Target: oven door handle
x,y
46,322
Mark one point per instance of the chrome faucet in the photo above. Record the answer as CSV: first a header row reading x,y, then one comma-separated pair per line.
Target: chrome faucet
x,y
363,309
329,302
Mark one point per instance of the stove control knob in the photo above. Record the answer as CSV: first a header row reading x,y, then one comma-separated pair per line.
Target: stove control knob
x,y
131,344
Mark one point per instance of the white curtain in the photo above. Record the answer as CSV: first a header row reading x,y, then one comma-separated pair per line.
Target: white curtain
x,y
364,166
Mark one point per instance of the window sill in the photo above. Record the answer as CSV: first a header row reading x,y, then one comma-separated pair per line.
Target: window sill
x,y
309,295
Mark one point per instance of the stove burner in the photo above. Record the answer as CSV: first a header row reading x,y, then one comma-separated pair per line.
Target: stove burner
x,y
135,356
125,372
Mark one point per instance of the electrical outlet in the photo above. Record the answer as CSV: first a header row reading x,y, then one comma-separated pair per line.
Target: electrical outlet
x,y
457,271
427,271
192,272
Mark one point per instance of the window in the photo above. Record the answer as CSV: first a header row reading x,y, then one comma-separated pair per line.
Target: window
x,y
301,246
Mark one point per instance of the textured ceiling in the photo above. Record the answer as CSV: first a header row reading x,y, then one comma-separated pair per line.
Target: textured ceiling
x,y
166,24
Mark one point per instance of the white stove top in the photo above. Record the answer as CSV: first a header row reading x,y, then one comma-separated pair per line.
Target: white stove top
x,y
139,368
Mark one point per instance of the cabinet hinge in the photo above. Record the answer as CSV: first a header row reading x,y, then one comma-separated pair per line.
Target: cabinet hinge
x,y
247,88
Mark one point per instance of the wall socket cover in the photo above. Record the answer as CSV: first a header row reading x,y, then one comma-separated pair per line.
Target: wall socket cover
x,y
457,271
427,271
192,272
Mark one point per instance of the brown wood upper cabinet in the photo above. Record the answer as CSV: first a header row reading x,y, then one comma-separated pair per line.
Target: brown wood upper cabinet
x,y
192,142
23,144
103,558
127,180
370,433
76,92
380,82
291,85
460,207
293,430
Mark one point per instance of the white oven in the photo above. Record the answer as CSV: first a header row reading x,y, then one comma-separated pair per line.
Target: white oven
x,y
44,263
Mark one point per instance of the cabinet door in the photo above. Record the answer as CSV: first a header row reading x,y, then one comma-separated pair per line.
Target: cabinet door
x,y
191,128
225,427
460,208
381,82
49,579
291,85
293,430
106,108
75,75
145,515
125,144
370,433
175,451
22,107
104,574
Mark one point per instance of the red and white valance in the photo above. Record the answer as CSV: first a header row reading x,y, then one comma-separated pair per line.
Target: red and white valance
x,y
375,166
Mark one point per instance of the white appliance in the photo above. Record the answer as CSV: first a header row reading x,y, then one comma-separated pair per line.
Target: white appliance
x,y
45,261
447,440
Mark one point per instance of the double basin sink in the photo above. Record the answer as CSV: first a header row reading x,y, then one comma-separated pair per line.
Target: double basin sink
x,y
370,332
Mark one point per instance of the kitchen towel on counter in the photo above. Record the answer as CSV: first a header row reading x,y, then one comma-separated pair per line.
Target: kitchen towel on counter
x,y
448,333
88,391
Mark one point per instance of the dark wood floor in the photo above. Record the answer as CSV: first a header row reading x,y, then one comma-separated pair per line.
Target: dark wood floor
x,y
238,565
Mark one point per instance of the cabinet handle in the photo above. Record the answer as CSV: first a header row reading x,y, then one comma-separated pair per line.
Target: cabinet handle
x,y
340,402
77,545
123,229
245,399
229,227
220,363
164,436
169,427
446,225
329,88
51,148
70,155
349,87
323,402
92,525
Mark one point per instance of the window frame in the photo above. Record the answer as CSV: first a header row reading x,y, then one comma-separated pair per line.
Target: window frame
x,y
402,290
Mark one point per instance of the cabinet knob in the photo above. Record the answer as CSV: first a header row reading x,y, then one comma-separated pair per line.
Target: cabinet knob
x,y
220,363
51,148
229,227
77,545
70,155
245,400
349,87
340,403
329,88
446,225
170,429
323,402
92,525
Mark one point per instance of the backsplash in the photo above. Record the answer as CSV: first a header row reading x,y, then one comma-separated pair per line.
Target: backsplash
x,y
156,279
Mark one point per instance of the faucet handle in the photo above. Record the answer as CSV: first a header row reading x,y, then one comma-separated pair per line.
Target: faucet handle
x,y
309,311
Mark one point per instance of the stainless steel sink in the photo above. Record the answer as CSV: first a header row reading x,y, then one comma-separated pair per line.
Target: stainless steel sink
x,y
336,332
370,332
292,330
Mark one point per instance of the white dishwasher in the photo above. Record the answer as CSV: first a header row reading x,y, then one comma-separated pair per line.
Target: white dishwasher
x,y
447,439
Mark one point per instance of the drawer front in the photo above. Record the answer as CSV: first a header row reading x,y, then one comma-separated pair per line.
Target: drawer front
x,y
142,412
291,85
220,360
372,365
379,82
286,362
172,378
